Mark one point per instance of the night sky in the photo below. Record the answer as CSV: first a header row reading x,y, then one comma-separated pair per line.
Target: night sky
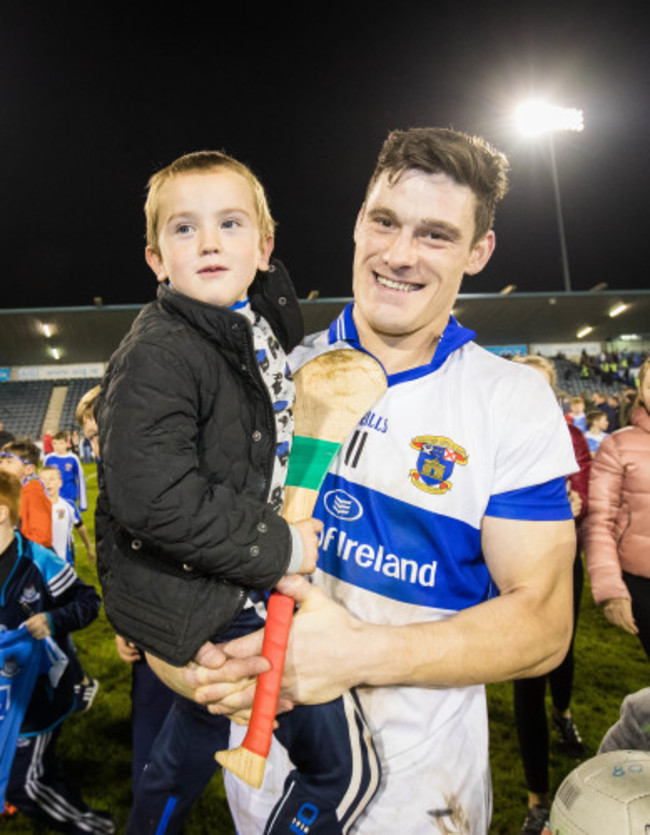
x,y
95,97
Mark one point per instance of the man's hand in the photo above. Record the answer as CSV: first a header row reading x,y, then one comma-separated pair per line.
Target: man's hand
x,y
38,626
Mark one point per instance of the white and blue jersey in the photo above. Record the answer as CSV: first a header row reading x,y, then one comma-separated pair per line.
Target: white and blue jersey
x,y
72,476
402,505
65,517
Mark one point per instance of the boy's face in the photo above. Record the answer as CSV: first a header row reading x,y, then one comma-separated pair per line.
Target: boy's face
x,y
209,237
92,434
59,446
12,464
602,424
52,481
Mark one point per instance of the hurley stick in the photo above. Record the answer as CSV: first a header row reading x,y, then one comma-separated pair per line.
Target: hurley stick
x,y
333,393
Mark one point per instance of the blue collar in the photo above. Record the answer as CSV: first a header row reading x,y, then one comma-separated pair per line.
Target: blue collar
x,y
453,337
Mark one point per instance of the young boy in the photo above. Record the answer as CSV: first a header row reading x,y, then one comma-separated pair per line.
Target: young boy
x,y
65,517
597,426
72,473
22,457
195,427
576,413
41,592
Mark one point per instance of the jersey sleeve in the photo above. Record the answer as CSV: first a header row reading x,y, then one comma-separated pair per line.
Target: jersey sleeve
x,y
534,453
539,503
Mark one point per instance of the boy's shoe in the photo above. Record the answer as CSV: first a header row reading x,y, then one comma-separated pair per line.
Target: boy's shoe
x,y
8,810
85,694
536,821
570,740
96,821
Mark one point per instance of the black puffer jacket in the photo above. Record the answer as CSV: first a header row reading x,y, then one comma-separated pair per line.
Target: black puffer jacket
x,y
187,442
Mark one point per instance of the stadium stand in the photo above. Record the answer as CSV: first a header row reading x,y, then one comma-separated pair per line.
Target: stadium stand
x,y
23,405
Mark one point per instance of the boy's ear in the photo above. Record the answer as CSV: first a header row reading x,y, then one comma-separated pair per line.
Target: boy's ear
x,y
155,262
265,253
4,514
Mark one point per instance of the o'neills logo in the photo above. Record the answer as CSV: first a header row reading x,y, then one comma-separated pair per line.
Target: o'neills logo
x,y
435,463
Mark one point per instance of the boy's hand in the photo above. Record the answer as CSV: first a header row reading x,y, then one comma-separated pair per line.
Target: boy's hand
x,y
92,557
308,530
127,651
38,626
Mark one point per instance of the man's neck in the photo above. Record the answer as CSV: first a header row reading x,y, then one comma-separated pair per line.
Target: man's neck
x,y
399,353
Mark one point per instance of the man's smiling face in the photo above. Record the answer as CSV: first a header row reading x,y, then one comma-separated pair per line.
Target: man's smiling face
x,y
414,242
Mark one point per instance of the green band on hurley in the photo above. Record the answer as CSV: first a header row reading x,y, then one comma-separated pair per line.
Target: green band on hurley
x,y
309,461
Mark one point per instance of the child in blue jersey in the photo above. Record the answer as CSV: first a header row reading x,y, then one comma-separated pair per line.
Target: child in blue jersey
x,y
195,425
72,473
42,594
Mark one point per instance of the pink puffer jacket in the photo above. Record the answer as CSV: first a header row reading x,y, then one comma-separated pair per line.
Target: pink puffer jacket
x,y
617,529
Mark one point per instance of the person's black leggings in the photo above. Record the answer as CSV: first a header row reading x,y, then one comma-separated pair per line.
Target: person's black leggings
x,y
639,588
530,709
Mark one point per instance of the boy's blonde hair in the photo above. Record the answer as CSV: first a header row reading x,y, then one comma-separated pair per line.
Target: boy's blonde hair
x,y
204,161
11,492
85,410
542,364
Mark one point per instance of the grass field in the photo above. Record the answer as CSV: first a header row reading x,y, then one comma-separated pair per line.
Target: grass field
x,y
96,745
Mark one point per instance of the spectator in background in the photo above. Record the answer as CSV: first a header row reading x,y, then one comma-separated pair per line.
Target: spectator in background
x,y
21,458
65,518
43,594
47,442
529,693
597,424
72,474
576,413
617,529
614,403
632,731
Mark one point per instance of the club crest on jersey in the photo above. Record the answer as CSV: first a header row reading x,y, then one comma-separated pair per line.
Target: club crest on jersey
x,y
435,463
29,595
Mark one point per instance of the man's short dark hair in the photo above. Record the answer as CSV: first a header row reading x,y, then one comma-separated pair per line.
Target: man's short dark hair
x,y
469,160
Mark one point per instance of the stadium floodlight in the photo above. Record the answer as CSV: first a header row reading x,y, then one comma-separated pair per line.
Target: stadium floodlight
x,y
584,331
619,308
535,118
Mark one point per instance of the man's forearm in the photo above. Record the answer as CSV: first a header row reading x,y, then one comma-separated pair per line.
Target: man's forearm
x,y
495,641
498,640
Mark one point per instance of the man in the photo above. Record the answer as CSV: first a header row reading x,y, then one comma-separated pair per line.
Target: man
x,y
448,539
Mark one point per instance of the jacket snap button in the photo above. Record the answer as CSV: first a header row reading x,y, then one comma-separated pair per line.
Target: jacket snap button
x,y
257,435
254,551
136,545
282,300
187,567
262,527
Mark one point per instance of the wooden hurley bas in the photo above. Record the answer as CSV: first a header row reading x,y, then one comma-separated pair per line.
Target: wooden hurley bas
x,y
333,393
